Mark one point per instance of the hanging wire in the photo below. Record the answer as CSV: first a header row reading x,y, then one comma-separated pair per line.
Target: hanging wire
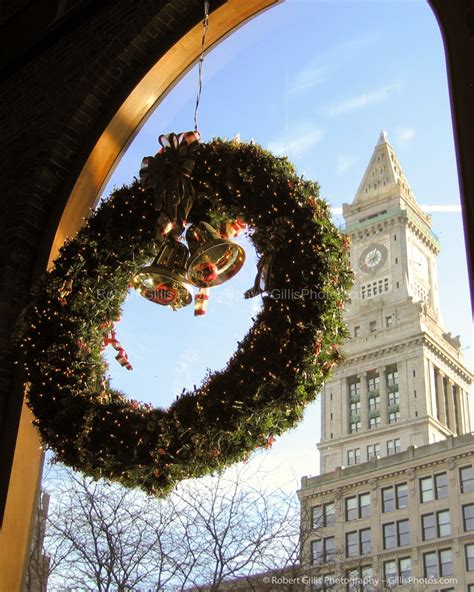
x,y
205,23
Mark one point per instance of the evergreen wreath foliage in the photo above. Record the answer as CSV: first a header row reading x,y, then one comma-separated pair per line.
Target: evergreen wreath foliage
x,y
277,369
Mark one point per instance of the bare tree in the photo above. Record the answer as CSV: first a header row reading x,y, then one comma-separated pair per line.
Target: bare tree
x,y
107,538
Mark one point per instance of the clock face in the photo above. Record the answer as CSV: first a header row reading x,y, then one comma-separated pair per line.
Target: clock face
x,y
372,257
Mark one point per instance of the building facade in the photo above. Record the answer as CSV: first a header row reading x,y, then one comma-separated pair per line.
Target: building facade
x,y
394,504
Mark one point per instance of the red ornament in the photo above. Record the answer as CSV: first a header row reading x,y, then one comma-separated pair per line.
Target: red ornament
x,y
208,271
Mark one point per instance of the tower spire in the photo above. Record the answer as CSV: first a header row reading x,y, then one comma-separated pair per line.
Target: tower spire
x,y
384,176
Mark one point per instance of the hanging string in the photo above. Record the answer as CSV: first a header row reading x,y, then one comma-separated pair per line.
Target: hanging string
x,y
205,23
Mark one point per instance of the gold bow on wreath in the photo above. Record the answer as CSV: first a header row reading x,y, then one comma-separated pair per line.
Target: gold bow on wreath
x,y
167,174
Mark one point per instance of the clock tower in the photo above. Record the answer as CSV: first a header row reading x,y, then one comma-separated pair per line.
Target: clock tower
x,y
404,382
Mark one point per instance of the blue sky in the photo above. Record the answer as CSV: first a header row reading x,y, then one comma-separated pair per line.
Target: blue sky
x,y
316,80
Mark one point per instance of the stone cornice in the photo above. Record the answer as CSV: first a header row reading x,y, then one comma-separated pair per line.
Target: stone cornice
x,y
423,339
372,473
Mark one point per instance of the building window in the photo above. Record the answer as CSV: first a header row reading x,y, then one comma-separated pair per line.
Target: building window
x,y
374,403
389,536
393,398
373,326
470,557
323,550
432,488
393,446
372,289
353,456
396,534
373,451
401,491
374,422
352,544
359,580
323,515
435,525
438,563
357,331
396,572
403,533
358,542
467,478
393,416
392,378
388,321
468,517
325,583
357,506
355,408
373,384
356,426
354,390
395,498
366,541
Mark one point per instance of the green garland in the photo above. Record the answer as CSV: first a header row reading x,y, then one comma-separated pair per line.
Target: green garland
x,y
276,371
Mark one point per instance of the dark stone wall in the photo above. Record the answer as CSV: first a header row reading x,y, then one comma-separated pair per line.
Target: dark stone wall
x,y
67,67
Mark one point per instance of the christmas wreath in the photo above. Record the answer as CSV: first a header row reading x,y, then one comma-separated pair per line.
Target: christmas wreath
x,y
278,368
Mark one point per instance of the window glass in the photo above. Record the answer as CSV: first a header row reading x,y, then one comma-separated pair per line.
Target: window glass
x,y
430,564
402,495
365,541
317,551
329,548
467,479
393,398
352,512
389,538
317,516
364,505
352,544
404,567
403,532
390,574
470,557
426,489
446,562
388,499
468,517
428,527
441,482
329,514
392,378
444,525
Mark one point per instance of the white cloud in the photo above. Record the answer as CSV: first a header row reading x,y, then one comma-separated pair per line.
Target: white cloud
x,y
318,70
344,163
363,100
183,370
448,209
404,135
311,75
301,139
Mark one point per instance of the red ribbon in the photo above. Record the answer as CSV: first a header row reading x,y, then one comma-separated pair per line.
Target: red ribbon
x,y
200,302
233,228
111,339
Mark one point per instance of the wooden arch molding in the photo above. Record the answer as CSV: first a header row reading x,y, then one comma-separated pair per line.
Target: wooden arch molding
x,y
104,106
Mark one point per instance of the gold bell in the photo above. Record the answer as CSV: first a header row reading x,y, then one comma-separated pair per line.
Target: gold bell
x,y
164,281
214,259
